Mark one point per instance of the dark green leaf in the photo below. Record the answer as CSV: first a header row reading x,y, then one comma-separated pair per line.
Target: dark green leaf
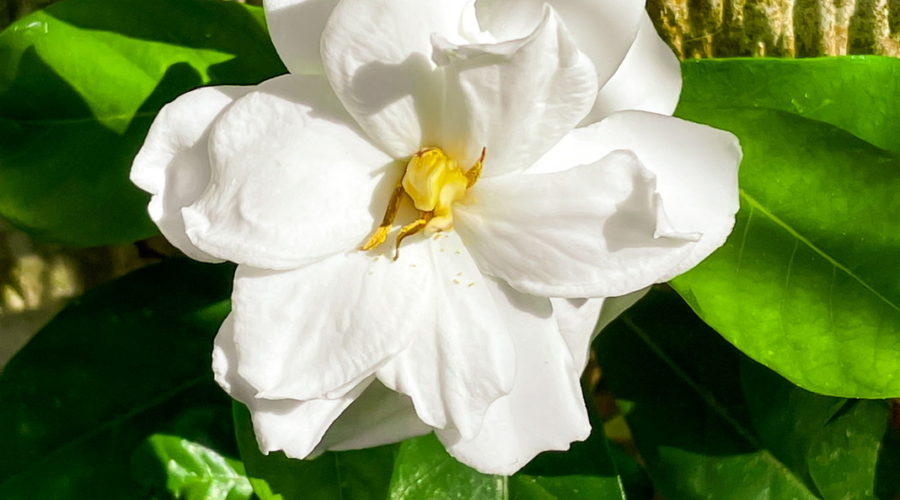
x,y
349,475
809,281
80,83
860,94
423,469
192,471
129,359
710,423
835,443
887,481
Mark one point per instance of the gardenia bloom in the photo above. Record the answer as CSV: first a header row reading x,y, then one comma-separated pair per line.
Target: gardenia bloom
x,y
526,150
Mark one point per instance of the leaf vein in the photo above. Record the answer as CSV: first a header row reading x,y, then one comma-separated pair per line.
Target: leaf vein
x,y
744,239
711,401
793,232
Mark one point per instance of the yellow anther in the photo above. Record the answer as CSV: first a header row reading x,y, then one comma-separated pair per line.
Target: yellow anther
x,y
433,181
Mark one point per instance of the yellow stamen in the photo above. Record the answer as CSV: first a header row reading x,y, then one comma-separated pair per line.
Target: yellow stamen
x,y
474,173
433,182
387,222
410,229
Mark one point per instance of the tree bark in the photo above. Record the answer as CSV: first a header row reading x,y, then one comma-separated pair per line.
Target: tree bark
x,y
780,28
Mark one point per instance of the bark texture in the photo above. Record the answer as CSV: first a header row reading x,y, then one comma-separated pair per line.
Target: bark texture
x,y
779,28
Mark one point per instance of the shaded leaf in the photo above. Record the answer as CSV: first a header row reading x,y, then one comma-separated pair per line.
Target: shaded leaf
x,y
129,359
710,423
421,468
835,442
347,475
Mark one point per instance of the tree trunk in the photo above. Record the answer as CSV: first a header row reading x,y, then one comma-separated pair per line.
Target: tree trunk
x,y
779,28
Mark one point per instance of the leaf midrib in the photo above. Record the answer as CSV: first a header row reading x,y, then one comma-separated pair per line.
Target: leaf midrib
x,y
754,203
711,402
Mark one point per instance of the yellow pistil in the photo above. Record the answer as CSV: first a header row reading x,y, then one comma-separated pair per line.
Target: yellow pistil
x,y
433,182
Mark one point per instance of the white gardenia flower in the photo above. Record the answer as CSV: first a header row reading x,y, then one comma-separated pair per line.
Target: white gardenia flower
x,y
479,331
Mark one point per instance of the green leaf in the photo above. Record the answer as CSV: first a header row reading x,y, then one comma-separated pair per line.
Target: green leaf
x,y
128,360
710,423
346,475
192,470
835,442
80,83
808,283
859,94
423,469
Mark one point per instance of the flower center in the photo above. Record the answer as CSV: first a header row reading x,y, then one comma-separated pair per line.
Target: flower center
x,y
432,181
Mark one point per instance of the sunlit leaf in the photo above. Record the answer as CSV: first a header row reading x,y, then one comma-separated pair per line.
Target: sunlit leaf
x,y
809,281
859,94
190,470
80,83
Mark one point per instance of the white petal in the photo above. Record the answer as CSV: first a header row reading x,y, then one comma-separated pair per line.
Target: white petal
x,y
545,409
173,164
377,55
292,181
603,29
576,319
581,320
293,426
296,29
318,330
460,364
379,416
614,306
696,169
649,79
590,231
516,99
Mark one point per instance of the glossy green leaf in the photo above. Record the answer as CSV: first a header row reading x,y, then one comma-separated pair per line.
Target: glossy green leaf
x,y
423,469
128,360
346,475
80,83
808,283
860,94
710,423
192,471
